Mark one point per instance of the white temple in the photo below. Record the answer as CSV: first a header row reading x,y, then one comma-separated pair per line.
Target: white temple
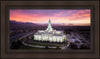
x,y
49,34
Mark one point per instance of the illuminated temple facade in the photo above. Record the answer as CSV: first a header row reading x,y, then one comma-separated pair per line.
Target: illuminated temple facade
x,y
49,35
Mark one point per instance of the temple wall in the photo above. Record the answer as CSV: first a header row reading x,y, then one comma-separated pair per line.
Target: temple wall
x,y
49,38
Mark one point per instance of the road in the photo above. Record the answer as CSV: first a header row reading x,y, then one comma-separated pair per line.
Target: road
x,y
20,36
63,48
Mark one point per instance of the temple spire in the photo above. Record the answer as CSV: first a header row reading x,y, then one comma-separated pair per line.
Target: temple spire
x,y
49,28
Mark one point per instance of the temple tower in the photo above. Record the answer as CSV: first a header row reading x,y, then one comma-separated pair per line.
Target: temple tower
x,y
49,28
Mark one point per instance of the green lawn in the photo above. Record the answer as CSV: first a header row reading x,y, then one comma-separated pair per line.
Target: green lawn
x,y
28,47
44,44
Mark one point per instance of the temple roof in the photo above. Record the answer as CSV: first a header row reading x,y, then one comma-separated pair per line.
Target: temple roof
x,y
56,33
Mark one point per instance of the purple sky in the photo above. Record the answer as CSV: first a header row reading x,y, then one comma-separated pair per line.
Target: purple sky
x,y
66,16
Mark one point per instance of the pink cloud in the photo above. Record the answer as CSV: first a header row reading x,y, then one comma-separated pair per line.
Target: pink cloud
x,y
56,17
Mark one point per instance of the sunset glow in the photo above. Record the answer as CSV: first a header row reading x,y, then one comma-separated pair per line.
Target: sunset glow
x,y
65,16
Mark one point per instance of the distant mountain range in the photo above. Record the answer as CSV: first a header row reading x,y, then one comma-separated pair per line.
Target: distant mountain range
x,y
40,24
30,26
34,24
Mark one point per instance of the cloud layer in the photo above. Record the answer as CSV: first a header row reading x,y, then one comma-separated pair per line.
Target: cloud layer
x,y
66,16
